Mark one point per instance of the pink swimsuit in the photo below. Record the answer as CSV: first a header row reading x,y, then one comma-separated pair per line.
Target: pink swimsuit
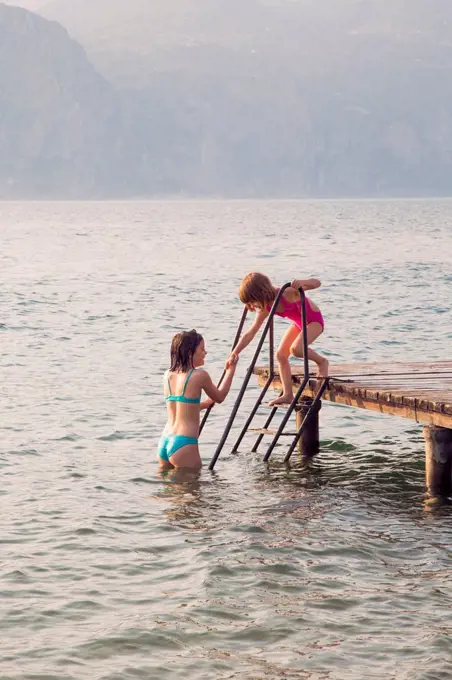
x,y
292,311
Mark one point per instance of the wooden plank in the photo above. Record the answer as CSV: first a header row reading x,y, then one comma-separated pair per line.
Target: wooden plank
x,y
396,389
380,368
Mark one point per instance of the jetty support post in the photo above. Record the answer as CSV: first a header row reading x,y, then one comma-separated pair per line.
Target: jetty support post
x,y
438,461
309,443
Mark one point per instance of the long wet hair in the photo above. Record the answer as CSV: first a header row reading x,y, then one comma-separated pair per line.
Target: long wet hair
x,y
183,347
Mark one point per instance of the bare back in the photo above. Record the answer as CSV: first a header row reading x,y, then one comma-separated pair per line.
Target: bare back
x,y
183,396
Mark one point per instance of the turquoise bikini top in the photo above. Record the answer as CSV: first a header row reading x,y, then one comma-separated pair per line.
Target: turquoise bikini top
x,y
181,397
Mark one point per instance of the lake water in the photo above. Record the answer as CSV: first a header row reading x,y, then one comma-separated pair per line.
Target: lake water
x,y
111,570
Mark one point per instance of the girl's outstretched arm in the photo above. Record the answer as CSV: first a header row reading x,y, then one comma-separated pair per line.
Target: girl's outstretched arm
x,y
248,336
218,394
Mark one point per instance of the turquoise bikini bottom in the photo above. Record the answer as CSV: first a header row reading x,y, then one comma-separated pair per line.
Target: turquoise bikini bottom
x,y
170,443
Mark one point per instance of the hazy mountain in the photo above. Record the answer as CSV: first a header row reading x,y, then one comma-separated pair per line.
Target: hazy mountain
x,y
61,131
132,40
285,96
241,97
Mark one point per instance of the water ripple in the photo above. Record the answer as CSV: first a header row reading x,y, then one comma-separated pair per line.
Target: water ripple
x,y
111,570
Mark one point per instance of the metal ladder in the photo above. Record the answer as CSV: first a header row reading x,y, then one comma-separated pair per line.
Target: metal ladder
x,y
269,330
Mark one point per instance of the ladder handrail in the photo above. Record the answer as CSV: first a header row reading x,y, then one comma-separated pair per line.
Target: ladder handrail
x,y
236,339
267,385
259,400
249,373
305,381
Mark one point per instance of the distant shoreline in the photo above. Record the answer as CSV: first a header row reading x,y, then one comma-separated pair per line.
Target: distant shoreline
x,y
229,199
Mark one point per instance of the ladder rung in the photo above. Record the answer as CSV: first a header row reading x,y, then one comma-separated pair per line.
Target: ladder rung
x,y
298,406
262,430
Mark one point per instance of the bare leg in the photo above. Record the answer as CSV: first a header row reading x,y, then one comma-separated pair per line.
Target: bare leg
x,y
187,457
314,329
282,355
165,465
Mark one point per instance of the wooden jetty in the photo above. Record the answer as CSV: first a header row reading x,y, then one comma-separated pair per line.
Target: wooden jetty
x,y
421,392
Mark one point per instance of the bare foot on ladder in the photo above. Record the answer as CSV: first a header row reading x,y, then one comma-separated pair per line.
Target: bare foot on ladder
x,y
283,399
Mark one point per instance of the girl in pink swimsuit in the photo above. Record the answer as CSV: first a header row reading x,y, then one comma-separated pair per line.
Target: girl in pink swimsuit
x,y
258,294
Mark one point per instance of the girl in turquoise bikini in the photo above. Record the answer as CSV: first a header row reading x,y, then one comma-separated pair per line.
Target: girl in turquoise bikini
x,y
182,386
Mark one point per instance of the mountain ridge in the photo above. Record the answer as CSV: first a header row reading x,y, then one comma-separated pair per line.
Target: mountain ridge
x,y
366,115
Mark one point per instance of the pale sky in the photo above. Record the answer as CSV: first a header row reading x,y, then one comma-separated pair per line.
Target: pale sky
x,y
28,4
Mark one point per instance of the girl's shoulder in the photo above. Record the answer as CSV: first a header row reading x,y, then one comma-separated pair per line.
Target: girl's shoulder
x,y
291,295
200,378
199,374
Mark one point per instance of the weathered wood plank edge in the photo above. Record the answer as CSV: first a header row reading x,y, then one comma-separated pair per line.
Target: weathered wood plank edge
x,y
417,408
383,369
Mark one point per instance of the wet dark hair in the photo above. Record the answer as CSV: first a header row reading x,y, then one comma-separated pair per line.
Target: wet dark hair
x,y
183,347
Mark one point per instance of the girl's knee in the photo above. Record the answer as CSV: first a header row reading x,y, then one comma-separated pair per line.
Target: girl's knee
x,y
296,351
282,355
